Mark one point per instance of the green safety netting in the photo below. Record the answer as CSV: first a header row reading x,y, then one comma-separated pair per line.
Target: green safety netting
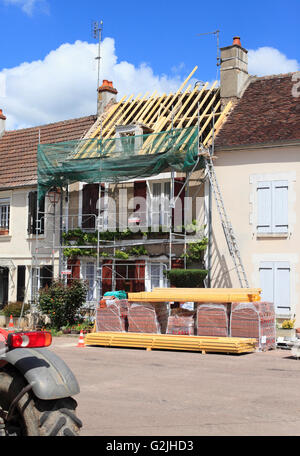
x,y
116,159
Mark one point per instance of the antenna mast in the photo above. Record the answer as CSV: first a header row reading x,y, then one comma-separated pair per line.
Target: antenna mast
x,y
217,33
97,35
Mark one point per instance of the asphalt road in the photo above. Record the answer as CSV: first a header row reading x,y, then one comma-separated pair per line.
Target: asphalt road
x,y
128,392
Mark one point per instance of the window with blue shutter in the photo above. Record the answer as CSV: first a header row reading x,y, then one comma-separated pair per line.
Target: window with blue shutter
x,y
275,285
272,207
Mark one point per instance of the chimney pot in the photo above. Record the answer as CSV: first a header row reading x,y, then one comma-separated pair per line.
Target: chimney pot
x,y
106,93
237,41
2,116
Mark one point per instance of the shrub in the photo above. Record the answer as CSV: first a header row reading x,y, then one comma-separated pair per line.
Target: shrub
x,y
187,278
14,309
62,302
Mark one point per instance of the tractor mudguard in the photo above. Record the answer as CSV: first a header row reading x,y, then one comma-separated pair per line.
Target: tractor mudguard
x,y
48,374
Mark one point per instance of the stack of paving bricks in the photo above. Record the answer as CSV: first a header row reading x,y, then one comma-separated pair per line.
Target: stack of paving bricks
x,y
213,320
256,320
181,321
148,318
111,315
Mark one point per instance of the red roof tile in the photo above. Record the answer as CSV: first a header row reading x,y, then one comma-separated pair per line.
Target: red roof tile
x,y
18,149
266,113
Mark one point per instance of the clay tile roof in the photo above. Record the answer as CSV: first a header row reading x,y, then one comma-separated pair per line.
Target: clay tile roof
x,y
267,113
18,149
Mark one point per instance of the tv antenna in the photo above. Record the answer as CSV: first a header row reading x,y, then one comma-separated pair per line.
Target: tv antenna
x,y
217,33
97,28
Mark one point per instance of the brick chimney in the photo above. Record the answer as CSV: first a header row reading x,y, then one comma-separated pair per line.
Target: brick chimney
x,y
106,93
234,71
2,123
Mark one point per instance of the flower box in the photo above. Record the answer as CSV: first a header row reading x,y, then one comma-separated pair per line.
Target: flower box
x,y
286,333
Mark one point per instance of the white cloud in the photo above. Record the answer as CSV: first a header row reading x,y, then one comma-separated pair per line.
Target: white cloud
x,y
29,5
267,60
63,84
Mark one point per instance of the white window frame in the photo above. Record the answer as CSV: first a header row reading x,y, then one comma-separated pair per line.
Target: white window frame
x,y
161,215
163,281
93,289
5,213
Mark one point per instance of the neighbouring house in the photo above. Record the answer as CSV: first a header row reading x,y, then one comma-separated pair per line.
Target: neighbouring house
x,y
258,169
20,223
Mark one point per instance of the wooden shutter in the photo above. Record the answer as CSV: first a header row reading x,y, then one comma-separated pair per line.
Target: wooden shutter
x,y
282,287
275,285
21,283
266,274
31,213
90,195
264,207
280,206
140,190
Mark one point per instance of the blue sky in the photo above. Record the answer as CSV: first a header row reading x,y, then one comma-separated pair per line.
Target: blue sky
x,y
146,45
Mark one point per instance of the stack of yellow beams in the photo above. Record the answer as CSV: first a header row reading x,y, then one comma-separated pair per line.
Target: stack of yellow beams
x,y
220,295
233,345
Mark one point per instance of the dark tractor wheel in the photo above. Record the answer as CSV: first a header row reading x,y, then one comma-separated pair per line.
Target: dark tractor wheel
x,y
33,416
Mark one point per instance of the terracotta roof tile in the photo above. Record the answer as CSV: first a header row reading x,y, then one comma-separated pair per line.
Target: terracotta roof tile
x,y
266,113
18,149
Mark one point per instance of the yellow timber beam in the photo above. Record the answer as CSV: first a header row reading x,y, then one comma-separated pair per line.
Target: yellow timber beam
x,y
235,345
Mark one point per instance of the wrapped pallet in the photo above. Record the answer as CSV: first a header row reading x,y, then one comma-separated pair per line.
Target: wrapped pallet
x,y
212,320
111,315
148,318
181,321
256,320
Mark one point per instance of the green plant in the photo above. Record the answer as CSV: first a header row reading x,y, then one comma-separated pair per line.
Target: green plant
x,y
187,278
121,254
14,309
62,302
138,251
195,251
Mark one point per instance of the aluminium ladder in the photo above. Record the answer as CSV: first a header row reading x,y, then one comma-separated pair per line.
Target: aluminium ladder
x,y
226,224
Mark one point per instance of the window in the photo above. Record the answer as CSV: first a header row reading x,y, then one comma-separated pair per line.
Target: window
x,y
89,274
275,285
272,207
156,276
4,213
34,226
160,205
90,196
41,277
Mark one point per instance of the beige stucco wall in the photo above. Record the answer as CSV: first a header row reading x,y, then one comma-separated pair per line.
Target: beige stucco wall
x,y
18,245
237,173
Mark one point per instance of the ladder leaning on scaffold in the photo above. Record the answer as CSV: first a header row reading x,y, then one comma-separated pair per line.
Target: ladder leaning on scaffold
x,y
226,224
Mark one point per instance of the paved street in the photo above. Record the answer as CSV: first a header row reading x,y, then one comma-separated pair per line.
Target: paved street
x,y
134,392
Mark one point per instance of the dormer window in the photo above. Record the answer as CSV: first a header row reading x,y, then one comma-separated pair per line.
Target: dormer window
x,y
129,138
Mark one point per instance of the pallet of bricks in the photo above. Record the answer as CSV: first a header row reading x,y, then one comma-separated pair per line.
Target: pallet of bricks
x,y
111,314
256,320
181,322
148,317
213,319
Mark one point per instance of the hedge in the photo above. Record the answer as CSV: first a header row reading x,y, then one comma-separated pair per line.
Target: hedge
x,y
187,278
